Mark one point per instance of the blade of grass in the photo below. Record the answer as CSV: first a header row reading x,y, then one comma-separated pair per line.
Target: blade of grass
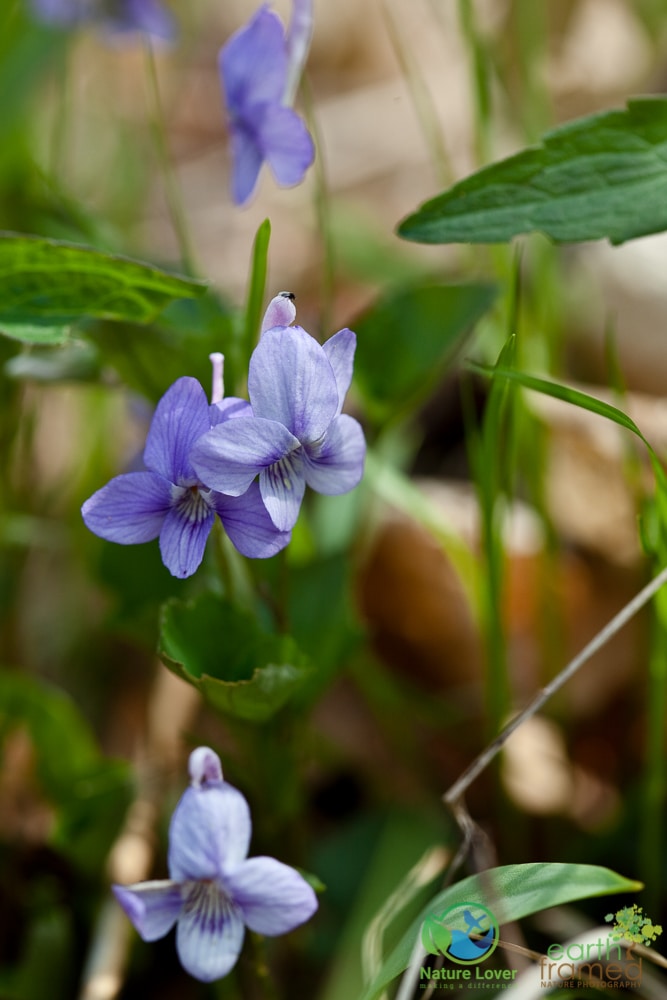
x,y
488,449
593,405
256,288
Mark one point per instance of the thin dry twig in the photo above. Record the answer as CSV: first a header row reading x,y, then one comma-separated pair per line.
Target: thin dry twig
x,y
460,786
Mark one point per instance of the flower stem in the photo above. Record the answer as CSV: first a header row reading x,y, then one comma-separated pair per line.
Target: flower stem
x,y
172,190
257,948
323,210
481,83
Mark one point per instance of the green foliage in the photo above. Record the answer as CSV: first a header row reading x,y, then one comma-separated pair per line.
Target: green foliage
x,y
239,669
512,892
599,177
88,791
584,401
47,285
25,55
408,337
256,289
150,358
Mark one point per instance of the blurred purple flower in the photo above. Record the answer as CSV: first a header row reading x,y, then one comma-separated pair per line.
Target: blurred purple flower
x,y
115,18
169,501
260,67
296,434
215,891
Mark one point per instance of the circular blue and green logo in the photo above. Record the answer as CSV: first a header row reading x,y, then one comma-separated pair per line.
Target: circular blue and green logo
x,y
466,933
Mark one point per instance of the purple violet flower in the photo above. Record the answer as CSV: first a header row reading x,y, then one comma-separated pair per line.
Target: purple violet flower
x,y
214,890
169,500
260,67
116,18
295,434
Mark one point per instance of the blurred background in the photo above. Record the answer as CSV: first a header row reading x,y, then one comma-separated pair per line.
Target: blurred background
x,y
387,586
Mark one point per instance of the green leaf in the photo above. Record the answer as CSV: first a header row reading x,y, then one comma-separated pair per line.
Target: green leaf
x,y
45,285
238,668
90,793
511,892
566,393
40,331
253,309
585,402
599,177
150,358
407,338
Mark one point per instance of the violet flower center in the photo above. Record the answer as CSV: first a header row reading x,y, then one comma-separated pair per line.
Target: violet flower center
x,y
284,469
207,899
192,502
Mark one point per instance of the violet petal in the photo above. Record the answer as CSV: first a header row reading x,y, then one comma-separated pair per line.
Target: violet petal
x,y
204,767
153,907
247,522
253,63
336,464
210,932
130,509
229,408
273,897
286,144
280,311
282,486
180,418
210,831
291,381
247,160
340,350
182,542
229,456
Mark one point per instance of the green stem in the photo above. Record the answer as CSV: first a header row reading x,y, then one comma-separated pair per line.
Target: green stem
x,y
422,101
262,973
172,189
531,33
655,777
222,560
480,80
324,215
61,118
256,289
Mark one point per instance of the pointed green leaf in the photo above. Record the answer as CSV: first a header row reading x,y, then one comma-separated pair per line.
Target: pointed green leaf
x,y
581,399
565,393
407,338
257,287
238,668
599,177
510,892
45,285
